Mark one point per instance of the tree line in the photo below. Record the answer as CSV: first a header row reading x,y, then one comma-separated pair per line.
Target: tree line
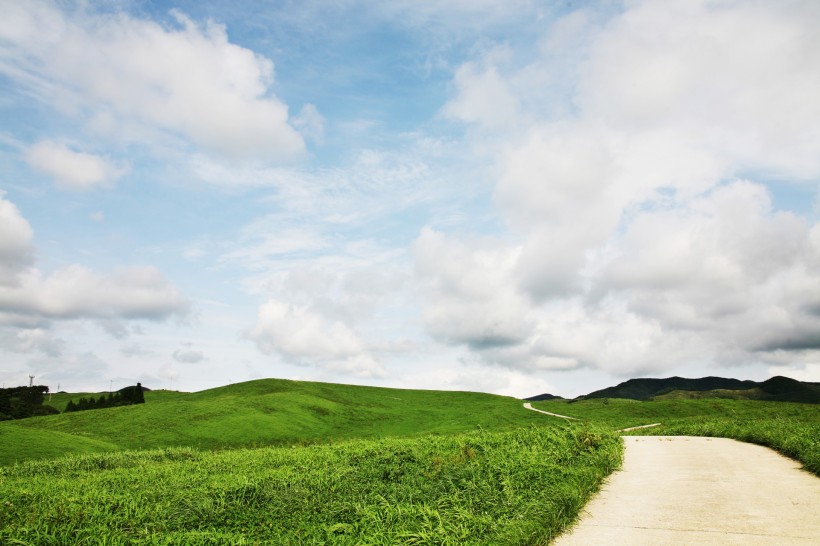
x,y
123,397
22,402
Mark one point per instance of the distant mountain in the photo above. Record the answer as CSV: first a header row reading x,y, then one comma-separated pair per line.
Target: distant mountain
x,y
791,390
545,396
646,388
777,388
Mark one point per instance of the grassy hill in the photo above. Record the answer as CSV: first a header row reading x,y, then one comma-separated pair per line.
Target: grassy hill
x,y
256,413
384,466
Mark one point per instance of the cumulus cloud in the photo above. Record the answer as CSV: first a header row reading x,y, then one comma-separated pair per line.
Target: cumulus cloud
x,y
75,291
71,170
16,248
739,79
469,296
27,295
642,235
186,78
305,337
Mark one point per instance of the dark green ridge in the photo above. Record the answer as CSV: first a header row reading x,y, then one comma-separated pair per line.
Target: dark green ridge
x,y
778,388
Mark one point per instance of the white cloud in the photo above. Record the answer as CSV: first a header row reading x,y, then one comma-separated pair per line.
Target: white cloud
x,y
71,170
73,372
305,337
74,291
78,292
188,356
185,78
16,248
468,290
39,340
466,374
135,350
739,79
483,98
630,250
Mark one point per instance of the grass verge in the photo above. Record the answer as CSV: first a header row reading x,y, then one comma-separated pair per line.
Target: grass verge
x,y
791,428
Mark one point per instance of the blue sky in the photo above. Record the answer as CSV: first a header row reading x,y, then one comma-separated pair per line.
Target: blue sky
x,y
510,197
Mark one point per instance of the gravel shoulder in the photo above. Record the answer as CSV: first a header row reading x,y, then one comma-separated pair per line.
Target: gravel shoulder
x,y
689,490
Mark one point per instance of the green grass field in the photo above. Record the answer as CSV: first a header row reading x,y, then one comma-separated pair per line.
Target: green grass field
x,y
521,486
284,462
258,413
791,428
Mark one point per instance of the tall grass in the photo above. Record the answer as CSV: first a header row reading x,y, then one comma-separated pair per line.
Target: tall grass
x,y
514,487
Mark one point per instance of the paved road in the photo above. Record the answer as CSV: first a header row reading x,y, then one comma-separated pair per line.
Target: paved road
x,y
686,490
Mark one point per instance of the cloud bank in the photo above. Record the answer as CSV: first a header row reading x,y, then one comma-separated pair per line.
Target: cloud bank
x,y
644,235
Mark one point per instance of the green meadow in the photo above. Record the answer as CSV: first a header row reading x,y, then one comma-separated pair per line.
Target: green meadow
x,y
513,487
258,413
285,462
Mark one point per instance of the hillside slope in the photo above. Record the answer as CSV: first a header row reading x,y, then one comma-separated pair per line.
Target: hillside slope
x,y
263,412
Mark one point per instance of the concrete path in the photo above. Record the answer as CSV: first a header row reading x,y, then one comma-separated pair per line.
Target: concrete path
x,y
686,490
627,429
528,406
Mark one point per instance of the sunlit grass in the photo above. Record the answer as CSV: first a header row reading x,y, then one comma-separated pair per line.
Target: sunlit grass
x,y
513,487
261,413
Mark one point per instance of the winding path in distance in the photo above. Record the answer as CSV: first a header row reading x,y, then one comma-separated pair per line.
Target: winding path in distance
x,y
529,407
681,490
